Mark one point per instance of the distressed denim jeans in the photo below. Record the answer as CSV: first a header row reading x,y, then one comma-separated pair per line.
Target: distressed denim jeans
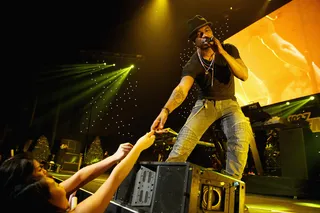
x,y
234,124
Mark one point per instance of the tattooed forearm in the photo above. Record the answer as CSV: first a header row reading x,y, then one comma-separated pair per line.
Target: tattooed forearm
x,y
176,98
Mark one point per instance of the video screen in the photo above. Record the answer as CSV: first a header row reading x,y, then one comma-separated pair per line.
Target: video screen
x,y
282,53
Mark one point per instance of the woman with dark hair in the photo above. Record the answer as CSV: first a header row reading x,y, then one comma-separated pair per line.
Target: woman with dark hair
x,y
19,181
43,194
20,169
24,185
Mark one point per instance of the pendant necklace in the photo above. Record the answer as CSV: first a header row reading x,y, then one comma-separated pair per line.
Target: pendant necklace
x,y
206,67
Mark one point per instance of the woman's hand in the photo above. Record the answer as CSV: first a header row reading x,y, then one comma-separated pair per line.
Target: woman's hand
x,y
146,141
122,151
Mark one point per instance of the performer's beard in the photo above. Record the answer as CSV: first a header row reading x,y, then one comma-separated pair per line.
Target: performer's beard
x,y
205,46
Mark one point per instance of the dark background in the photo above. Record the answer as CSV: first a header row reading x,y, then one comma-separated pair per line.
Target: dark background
x,y
39,38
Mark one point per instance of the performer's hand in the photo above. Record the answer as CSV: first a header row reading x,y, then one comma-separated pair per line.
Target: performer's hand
x,y
218,46
146,141
159,122
122,151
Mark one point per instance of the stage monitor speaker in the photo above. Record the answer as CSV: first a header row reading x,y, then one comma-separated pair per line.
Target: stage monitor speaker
x,y
299,154
180,187
70,161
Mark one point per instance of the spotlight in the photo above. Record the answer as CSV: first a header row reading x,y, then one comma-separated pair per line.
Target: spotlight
x,y
311,98
114,65
132,66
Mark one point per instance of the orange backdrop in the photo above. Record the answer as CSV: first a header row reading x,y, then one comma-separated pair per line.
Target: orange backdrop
x,y
282,52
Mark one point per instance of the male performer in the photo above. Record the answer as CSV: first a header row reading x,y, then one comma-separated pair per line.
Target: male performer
x,y
213,67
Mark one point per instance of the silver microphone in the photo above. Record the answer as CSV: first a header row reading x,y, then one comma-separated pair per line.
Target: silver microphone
x,y
207,40
210,39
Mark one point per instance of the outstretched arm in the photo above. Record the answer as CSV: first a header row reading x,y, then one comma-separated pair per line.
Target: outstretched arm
x,y
100,200
177,97
88,173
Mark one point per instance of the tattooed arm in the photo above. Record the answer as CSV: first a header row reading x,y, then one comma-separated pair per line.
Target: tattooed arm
x,y
179,94
177,97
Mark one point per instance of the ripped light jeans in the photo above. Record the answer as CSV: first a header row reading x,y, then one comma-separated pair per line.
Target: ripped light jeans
x,y
234,124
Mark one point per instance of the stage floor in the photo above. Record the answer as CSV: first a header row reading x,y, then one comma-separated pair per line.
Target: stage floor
x,y
254,202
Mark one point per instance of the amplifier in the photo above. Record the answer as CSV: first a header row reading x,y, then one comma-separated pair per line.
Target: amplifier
x,y
180,187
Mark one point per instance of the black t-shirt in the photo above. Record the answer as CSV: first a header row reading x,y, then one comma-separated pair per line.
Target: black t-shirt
x,y
223,82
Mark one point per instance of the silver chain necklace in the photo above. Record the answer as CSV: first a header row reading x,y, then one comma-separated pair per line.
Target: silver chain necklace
x,y
206,67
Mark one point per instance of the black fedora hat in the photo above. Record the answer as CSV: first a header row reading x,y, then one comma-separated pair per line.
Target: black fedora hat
x,y
196,23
